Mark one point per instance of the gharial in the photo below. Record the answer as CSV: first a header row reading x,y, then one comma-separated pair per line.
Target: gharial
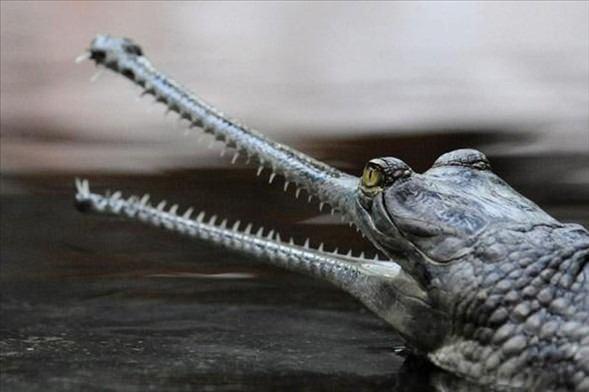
x,y
479,280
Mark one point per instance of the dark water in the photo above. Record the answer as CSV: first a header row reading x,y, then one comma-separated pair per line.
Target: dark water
x,y
99,304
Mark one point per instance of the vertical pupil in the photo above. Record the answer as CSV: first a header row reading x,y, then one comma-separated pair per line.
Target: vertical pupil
x,y
371,177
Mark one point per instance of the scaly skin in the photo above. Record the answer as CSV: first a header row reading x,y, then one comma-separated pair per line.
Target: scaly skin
x,y
479,279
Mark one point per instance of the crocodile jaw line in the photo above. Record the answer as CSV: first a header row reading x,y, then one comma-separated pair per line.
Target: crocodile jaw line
x,y
332,187
360,276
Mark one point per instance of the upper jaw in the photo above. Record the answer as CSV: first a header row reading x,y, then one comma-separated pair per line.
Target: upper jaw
x,y
329,185
332,187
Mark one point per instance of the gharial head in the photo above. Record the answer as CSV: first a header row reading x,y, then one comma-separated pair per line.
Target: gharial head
x,y
434,219
430,225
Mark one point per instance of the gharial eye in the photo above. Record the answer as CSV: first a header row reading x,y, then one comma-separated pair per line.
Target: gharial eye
x,y
372,176
381,172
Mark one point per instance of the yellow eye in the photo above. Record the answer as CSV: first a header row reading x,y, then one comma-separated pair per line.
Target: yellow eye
x,y
371,177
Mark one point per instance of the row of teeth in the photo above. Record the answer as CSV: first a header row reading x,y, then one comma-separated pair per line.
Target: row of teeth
x,y
172,219
147,89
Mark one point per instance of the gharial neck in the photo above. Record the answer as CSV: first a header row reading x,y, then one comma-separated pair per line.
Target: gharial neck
x,y
519,308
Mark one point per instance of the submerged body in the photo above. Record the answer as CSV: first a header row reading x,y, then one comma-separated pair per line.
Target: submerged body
x,y
478,278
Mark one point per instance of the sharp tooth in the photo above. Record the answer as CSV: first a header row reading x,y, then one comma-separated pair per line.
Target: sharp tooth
x,y
212,220
236,226
309,198
335,251
306,245
278,239
259,170
82,187
320,248
132,199
286,185
144,200
349,254
270,234
96,76
234,159
260,231
321,206
248,228
361,255
271,178
375,257
161,206
173,209
200,217
297,193
222,152
188,213
83,57
223,224
291,241
332,211
116,195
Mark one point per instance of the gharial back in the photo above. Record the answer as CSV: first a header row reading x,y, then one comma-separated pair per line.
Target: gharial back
x,y
522,314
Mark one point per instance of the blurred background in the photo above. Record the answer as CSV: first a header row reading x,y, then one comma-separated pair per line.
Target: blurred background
x,y
342,81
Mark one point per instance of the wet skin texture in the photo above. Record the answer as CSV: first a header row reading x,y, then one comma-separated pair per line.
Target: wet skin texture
x,y
511,281
478,279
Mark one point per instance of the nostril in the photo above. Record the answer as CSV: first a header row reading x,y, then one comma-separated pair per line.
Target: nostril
x,y
133,49
98,55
